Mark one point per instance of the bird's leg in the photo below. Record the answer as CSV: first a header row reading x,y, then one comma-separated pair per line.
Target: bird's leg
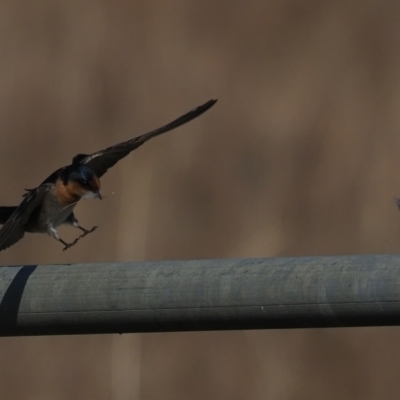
x,y
68,245
85,231
54,234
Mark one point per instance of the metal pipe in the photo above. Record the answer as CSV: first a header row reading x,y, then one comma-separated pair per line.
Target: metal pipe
x,y
307,292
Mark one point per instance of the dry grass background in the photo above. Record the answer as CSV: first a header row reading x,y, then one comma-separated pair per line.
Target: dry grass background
x,y
300,156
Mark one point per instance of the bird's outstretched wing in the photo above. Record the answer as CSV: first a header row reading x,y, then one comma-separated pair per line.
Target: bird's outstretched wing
x,y
14,228
102,160
5,213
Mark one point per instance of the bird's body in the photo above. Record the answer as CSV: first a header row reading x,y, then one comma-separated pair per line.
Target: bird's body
x,y
50,214
52,203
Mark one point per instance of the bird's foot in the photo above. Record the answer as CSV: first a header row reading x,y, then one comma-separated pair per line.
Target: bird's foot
x,y
85,232
68,245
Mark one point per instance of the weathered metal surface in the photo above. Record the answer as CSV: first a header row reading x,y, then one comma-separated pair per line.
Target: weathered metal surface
x,y
200,295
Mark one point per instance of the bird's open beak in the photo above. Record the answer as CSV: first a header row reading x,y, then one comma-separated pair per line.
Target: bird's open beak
x,y
99,196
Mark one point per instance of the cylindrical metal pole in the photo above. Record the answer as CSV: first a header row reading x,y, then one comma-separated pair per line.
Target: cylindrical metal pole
x,y
200,295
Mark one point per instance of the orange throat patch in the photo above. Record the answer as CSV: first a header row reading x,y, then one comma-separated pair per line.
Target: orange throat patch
x,y
69,193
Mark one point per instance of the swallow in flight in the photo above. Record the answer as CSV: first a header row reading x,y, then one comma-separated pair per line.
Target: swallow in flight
x,y
52,203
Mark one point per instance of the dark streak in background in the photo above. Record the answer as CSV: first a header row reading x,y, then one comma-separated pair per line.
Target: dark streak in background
x,y
11,300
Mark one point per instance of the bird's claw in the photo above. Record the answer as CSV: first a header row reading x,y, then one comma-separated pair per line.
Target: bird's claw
x,y
68,245
85,232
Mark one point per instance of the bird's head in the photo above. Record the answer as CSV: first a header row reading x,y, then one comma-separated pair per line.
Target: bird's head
x,y
80,181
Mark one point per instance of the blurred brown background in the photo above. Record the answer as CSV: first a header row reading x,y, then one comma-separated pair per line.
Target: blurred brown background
x,y
300,156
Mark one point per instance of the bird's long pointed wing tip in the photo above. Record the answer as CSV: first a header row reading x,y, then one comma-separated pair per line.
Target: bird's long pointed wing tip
x,y
207,105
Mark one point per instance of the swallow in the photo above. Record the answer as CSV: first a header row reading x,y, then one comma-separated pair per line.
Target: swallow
x,y
52,203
